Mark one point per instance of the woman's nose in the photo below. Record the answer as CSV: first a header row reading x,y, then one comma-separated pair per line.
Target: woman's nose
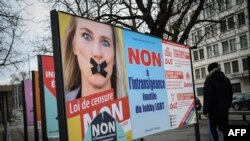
x,y
97,51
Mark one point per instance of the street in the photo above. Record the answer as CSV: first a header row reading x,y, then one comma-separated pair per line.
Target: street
x,y
182,134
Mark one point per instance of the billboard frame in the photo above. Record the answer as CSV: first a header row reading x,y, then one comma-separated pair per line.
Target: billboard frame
x,y
42,99
63,132
36,132
24,113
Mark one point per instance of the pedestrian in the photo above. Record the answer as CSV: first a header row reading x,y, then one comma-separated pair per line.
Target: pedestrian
x,y
218,95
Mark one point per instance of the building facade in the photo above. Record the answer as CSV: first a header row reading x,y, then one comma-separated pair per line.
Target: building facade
x,y
226,42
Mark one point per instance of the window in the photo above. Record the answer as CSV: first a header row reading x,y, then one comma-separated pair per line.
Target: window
x,y
229,46
241,18
236,87
209,11
243,41
225,47
230,22
200,91
227,68
231,67
216,50
232,44
228,3
198,54
224,4
197,74
203,73
223,25
235,66
245,64
184,23
239,1
227,23
214,29
212,50
211,31
208,32
201,51
193,37
200,73
199,35
196,36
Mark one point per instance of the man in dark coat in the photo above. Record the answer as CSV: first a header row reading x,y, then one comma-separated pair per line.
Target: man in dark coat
x,y
217,99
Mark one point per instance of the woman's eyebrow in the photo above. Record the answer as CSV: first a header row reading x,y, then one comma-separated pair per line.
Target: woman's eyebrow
x,y
106,37
86,29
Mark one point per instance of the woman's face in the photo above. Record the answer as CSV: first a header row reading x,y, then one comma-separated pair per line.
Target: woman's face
x,y
94,40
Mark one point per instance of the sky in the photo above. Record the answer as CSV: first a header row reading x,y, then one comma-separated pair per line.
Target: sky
x,y
37,12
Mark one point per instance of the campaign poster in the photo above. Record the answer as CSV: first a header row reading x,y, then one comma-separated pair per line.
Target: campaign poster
x,y
179,84
49,95
93,76
86,118
29,102
37,99
123,78
146,84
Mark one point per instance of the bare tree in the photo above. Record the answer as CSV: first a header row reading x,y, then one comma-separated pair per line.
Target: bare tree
x,y
18,77
10,33
169,19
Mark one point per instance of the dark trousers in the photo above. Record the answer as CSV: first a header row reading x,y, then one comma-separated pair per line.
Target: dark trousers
x,y
214,124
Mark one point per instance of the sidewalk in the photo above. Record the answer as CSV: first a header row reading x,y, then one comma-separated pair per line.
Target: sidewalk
x,y
182,134
188,133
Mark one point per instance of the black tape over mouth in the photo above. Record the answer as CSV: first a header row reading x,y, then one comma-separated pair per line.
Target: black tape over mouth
x,y
98,68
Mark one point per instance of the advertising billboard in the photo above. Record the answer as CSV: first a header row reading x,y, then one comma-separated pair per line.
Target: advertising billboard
x,y
179,86
29,102
37,104
146,83
48,97
106,71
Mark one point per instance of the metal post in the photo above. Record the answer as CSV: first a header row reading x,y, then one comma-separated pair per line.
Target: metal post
x,y
15,100
29,64
17,97
196,125
248,57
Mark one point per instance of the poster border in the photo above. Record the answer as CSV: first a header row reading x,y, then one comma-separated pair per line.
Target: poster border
x,y
24,112
36,132
42,99
63,134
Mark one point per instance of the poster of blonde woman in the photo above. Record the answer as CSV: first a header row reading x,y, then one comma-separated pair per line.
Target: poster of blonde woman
x,y
93,79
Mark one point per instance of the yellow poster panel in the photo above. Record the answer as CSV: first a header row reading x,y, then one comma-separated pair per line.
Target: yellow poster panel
x,y
74,129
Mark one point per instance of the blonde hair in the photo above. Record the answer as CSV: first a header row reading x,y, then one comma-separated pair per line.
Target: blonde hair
x,y
71,69
121,86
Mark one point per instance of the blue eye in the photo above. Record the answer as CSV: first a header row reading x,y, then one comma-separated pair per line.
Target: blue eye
x,y
86,36
105,43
